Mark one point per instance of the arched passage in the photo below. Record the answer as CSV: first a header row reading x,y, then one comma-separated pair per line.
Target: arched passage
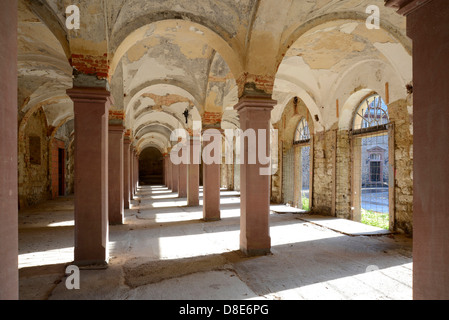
x,y
150,167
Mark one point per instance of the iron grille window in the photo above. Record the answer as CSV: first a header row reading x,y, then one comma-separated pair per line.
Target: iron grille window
x,y
302,133
371,114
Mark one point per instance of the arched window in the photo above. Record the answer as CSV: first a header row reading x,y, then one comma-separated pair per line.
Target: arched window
x,y
302,133
372,113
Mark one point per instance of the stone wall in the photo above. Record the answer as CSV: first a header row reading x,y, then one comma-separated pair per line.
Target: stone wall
x,y
343,174
402,114
323,148
65,134
288,174
33,162
332,165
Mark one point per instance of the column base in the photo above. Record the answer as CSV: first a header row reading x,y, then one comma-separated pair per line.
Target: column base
x,y
211,219
116,223
255,252
91,265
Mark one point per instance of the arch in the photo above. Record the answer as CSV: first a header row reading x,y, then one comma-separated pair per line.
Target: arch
x,y
131,113
167,86
296,90
154,127
293,118
350,107
35,105
43,11
150,143
162,24
296,32
157,117
372,112
351,77
61,123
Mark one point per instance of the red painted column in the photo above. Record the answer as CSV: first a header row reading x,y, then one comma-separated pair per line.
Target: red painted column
x,y
91,174
254,113
169,172
166,171
131,173
136,171
428,27
116,175
126,172
182,182
211,178
175,177
193,173
9,274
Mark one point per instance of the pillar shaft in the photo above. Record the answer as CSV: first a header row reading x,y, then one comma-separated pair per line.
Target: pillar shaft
x,y
182,181
193,173
175,177
254,113
136,172
126,173
91,174
9,275
428,27
169,173
132,166
116,175
211,178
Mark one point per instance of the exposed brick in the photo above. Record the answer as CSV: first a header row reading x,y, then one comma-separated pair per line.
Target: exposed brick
x,y
91,65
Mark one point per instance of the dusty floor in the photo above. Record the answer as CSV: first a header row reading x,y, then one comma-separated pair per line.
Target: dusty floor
x,y
164,251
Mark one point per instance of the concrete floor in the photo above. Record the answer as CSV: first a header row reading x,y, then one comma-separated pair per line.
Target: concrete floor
x,y
164,251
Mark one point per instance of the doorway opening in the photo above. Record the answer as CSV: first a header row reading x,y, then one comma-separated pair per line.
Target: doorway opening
x,y
302,166
151,167
373,153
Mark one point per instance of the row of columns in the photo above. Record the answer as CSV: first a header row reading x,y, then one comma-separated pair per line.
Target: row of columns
x,y
254,113
431,278
106,174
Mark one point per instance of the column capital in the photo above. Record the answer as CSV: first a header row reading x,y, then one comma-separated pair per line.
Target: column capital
x,y
81,94
405,7
117,128
255,101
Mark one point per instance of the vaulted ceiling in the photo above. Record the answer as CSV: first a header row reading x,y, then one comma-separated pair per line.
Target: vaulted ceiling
x,y
161,57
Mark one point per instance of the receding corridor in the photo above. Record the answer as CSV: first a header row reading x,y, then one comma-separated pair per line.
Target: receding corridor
x,y
164,250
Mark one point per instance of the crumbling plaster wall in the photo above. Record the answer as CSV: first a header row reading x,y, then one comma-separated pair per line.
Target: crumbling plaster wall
x,y
34,178
401,112
283,180
65,133
332,165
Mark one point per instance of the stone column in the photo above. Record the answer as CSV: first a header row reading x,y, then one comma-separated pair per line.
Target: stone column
x,y
136,172
211,176
428,27
9,274
254,113
182,182
164,166
193,173
116,175
175,177
131,173
126,172
91,174
169,172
